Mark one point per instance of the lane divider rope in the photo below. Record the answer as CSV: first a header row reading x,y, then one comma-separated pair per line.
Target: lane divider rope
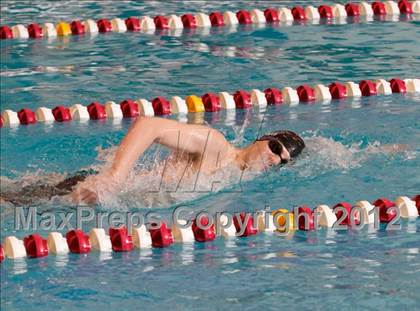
x,y
214,19
120,240
210,102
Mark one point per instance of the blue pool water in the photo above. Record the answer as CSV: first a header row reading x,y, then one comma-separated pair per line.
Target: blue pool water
x,y
346,160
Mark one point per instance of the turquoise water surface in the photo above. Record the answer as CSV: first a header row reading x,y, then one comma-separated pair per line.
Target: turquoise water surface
x,y
346,159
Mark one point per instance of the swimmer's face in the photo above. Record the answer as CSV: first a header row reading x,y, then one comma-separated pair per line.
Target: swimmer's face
x,y
263,155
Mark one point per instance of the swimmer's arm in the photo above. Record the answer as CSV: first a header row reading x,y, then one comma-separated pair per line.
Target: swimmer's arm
x,y
192,139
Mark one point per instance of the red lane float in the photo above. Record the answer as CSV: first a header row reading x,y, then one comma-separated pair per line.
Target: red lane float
x,y
104,25
203,235
305,219
61,114
244,17
305,93
161,106
216,19
367,87
387,211
242,99
77,28
352,9
78,242
96,111
161,22
337,90
348,207
189,21
34,31
161,237
35,246
378,8
6,32
405,7
325,11
120,240
249,226
1,253
132,23
273,96
26,116
129,108
211,102
417,200
271,15
397,86
298,13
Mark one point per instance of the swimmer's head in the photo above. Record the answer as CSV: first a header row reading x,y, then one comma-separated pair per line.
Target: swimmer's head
x,y
291,141
273,149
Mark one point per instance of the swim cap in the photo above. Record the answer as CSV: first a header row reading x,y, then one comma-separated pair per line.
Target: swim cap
x,y
290,140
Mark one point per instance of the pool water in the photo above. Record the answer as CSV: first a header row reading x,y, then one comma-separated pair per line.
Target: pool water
x,y
347,159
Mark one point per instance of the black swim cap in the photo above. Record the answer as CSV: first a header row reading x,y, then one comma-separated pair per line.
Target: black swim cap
x,y
290,140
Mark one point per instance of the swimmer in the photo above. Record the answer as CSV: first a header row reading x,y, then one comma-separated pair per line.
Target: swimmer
x,y
199,148
196,147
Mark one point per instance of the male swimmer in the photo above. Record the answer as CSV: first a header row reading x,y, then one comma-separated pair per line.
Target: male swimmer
x,y
193,148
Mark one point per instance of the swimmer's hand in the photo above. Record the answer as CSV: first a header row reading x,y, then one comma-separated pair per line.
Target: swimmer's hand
x,y
84,195
94,187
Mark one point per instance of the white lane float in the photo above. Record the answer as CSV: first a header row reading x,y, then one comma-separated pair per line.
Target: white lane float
x,y
312,13
79,112
90,27
113,111
183,235
118,25
391,8
339,11
383,87
322,92
203,20
353,89
257,16
265,222
147,23
44,114
412,85
290,96
407,207
10,118
99,240
57,244
20,32
141,237
226,100
227,229
230,18
258,98
416,6
14,248
326,216
175,22
285,15
48,30
366,211
178,105
365,9
145,107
